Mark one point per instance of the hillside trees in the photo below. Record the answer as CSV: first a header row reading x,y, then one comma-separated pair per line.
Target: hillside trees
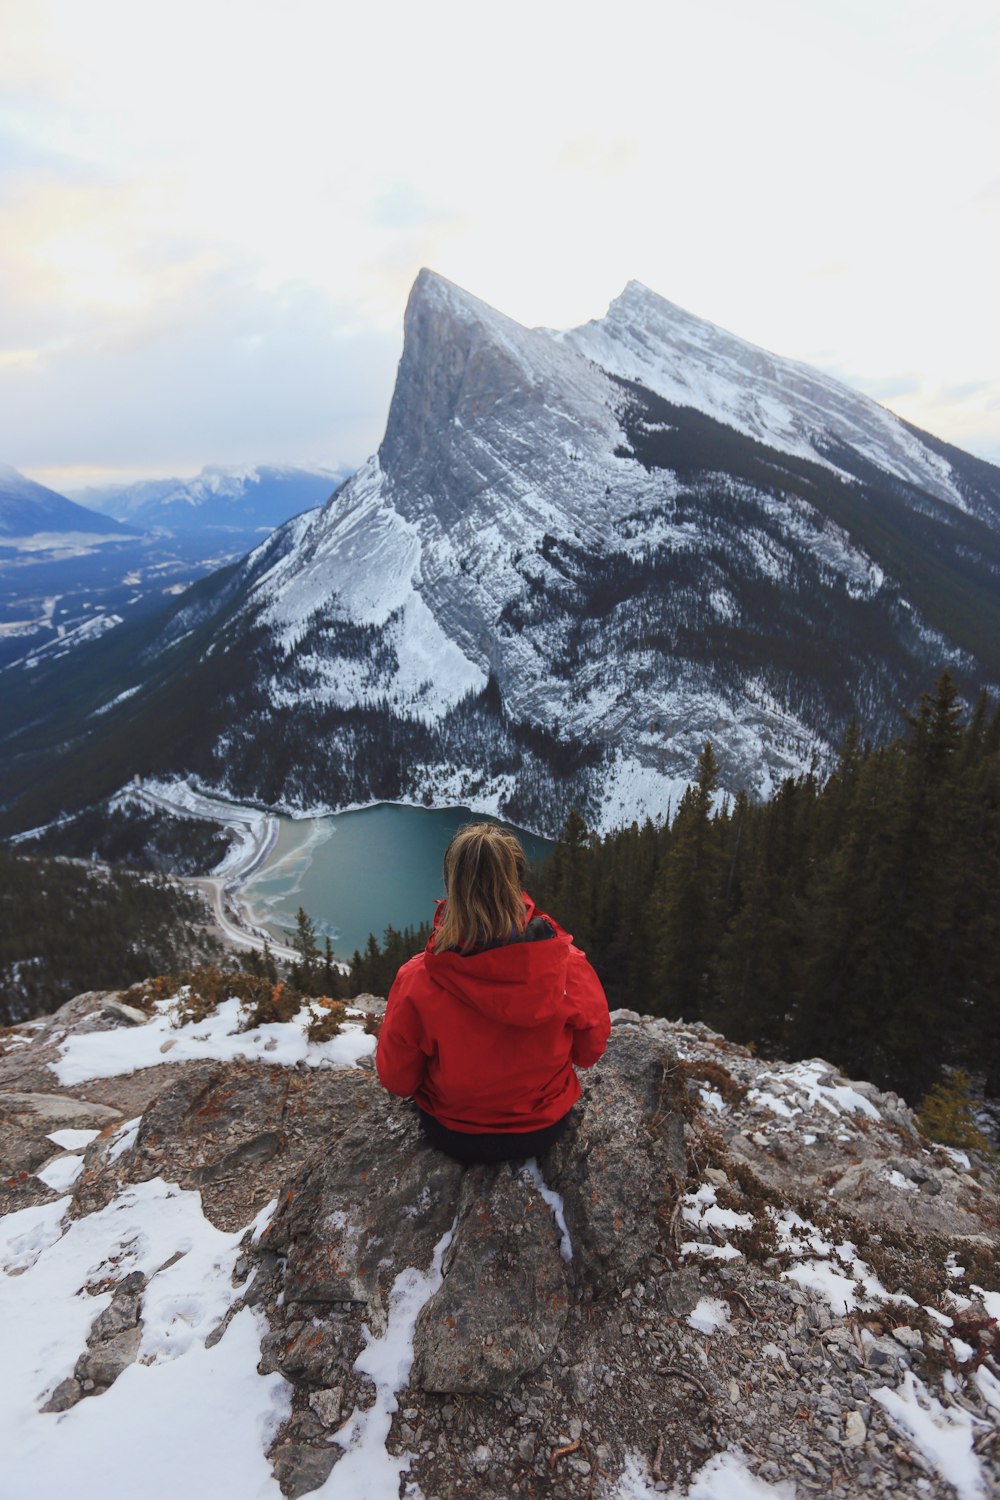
x,y
67,927
686,916
857,919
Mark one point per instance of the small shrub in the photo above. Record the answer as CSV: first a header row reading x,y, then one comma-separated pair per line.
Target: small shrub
x,y
201,991
266,1004
145,995
324,1027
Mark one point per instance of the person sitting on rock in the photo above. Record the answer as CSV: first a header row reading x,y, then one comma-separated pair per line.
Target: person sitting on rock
x,y
485,1028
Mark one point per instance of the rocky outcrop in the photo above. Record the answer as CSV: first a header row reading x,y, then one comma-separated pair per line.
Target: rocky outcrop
x,y
506,1290
26,1122
233,1130
721,1256
621,1165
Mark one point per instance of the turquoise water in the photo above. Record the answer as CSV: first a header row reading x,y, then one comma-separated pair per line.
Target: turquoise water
x,y
359,872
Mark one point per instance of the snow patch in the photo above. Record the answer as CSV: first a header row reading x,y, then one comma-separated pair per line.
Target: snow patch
x,y
944,1435
105,1054
228,1413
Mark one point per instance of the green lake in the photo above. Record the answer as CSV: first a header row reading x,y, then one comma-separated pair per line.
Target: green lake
x,y
359,872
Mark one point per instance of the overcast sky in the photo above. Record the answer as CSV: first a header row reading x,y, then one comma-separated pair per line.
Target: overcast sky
x,y
211,211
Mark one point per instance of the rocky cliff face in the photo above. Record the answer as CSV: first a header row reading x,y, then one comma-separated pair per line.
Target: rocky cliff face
x,y
726,1266
574,558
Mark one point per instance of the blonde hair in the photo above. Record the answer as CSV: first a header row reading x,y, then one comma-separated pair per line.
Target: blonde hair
x,y
483,874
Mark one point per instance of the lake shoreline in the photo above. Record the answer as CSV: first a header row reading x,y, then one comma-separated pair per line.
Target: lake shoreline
x,y
256,834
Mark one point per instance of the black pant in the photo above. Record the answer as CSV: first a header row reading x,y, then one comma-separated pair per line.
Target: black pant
x,y
505,1145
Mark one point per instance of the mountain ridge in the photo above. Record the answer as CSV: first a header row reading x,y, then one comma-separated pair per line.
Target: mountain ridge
x,y
241,495
778,403
551,584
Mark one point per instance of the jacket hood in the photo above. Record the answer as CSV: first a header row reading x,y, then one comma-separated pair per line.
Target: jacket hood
x,y
521,984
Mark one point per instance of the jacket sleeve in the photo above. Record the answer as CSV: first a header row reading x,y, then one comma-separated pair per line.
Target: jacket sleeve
x,y
589,1015
400,1060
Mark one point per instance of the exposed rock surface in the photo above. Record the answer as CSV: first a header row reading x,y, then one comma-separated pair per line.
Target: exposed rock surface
x,y
722,1254
505,1294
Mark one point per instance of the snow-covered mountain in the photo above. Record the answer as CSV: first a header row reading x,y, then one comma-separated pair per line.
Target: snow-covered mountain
x,y
574,558
28,509
780,402
247,497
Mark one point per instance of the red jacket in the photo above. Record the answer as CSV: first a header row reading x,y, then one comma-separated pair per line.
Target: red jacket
x,y
487,1041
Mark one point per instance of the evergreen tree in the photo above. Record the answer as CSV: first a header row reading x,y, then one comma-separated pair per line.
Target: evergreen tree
x,y
686,910
306,974
569,886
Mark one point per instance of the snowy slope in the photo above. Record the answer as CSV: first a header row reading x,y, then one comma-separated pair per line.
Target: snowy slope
x,y
780,402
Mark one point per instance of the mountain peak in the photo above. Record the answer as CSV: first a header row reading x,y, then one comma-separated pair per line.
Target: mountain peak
x,y
461,357
431,286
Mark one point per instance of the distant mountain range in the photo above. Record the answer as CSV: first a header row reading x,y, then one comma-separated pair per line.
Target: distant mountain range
x,y
245,497
71,571
574,558
28,509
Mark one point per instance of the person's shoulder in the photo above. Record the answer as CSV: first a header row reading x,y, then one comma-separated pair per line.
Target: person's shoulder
x,y
410,974
539,929
543,925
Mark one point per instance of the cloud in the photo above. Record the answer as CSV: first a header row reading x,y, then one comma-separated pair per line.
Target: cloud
x,y
887,387
968,390
23,158
882,388
402,205
601,156
217,372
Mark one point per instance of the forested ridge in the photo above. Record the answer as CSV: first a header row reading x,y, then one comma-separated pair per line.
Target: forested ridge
x,y
66,926
855,918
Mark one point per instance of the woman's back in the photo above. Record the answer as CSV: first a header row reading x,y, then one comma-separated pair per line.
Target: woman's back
x,y
489,1038
484,1027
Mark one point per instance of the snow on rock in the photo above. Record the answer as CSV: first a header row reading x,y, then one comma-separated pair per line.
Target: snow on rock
x,y
61,1173
700,1209
792,1088
69,1140
790,406
710,1315
213,1396
944,1435
367,1471
555,1202
726,1476
104,1054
